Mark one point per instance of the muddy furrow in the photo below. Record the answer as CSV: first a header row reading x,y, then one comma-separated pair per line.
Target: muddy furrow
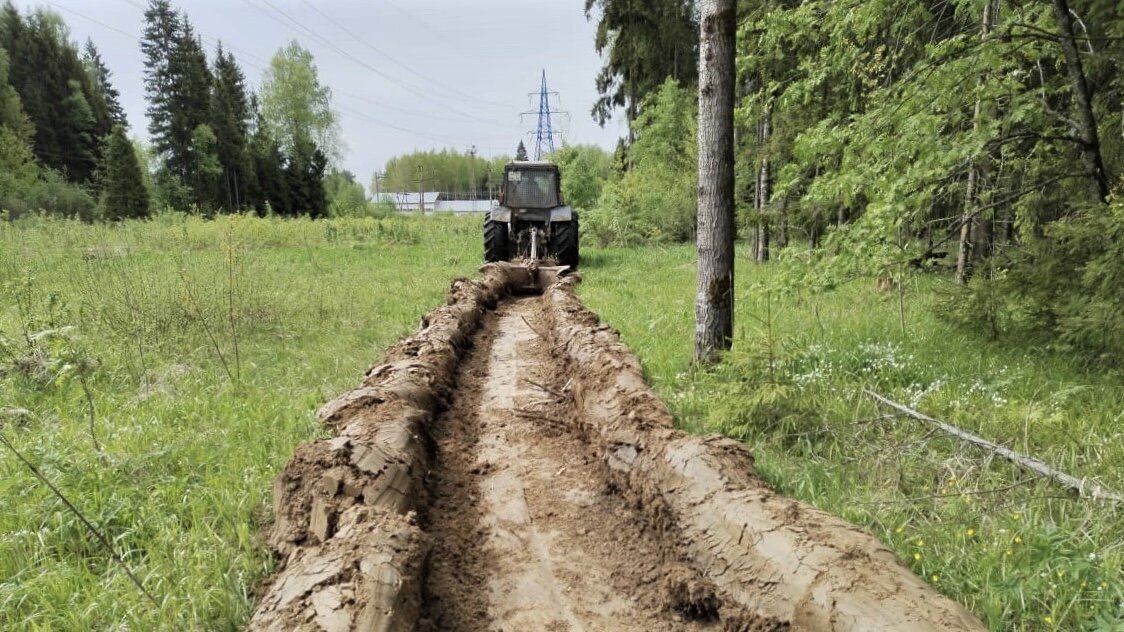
x,y
507,468
527,534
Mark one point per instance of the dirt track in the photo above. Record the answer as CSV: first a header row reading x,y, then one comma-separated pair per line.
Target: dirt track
x,y
508,469
527,532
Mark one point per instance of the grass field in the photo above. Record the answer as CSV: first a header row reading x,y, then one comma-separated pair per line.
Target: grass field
x,y
204,348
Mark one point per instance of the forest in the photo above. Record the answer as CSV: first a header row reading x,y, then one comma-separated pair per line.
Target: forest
x,y
984,140
215,145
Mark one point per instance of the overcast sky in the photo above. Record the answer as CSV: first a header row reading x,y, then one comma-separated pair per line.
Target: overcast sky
x,y
405,74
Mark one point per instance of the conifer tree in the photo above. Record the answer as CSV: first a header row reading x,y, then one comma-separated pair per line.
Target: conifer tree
x,y
268,189
177,83
124,195
230,117
100,76
643,42
69,116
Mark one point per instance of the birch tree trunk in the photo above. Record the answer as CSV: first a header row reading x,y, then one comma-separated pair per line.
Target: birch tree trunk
x,y
714,301
764,187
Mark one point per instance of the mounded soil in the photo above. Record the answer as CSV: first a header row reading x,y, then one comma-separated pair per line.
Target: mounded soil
x,y
507,468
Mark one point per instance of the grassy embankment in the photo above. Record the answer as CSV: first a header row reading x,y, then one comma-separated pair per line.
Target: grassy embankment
x,y
215,342
1019,551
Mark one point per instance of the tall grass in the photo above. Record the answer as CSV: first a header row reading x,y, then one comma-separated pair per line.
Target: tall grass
x,y
207,345
1019,551
212,343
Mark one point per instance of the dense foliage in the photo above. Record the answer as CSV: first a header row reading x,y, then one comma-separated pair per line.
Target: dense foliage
x,y
457,174
979,137
217,147
643,43
653,199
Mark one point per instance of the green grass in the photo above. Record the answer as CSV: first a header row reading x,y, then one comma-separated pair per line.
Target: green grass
x,y
208,345
1019,552
183,482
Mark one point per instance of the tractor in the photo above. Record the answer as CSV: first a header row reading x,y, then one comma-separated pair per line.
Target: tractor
x,y
531,226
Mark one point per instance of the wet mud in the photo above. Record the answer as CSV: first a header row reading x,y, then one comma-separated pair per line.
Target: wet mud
x,y
507,468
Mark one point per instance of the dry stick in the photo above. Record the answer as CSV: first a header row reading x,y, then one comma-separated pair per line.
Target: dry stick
x,y
97,534
1096,492
543,387
230,302
545,337
207,329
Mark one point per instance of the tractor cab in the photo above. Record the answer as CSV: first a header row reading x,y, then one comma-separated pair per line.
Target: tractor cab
x,y
531,185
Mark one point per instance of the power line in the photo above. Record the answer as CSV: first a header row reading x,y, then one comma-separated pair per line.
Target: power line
x,y
343,53
366,118
244,54
94,20
396,62
354,115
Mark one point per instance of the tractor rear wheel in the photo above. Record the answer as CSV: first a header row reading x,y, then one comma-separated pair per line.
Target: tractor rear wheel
x,y
496,244
564,242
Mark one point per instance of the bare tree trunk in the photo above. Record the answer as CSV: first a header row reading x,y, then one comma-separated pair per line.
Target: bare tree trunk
x,y
970,250
782,224
967,220
764,189
1086,122
714,301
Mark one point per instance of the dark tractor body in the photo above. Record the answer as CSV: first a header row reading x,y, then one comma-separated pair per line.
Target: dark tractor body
x,y
531,224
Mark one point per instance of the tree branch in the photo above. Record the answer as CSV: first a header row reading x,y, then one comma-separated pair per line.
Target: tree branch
x,y
1083,487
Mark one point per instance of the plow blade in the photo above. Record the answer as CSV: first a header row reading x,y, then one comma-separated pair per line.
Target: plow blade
x,y
534,279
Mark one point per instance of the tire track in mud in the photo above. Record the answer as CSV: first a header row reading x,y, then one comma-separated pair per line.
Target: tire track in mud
x,y
527,532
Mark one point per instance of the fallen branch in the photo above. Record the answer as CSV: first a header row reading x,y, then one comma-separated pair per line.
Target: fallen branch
x,y
1084,488
545,388
541,334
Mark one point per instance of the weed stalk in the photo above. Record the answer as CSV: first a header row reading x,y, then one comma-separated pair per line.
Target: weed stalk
x,y
85,521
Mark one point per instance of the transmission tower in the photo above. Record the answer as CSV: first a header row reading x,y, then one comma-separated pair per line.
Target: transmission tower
x,y
545,133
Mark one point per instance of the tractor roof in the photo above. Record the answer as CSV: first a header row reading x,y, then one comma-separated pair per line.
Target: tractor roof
x,y
533,164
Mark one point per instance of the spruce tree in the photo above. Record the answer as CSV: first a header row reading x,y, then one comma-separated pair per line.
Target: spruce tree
x,y
57,93
305,178
268,189
230,116
100,76
124,195
162,24
177,84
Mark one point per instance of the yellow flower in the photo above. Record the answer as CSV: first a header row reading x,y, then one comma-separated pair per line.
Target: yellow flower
x,y
1015,516
1049,619
970,532
898,530
917,556
920,542
1018,540
936,579
1008,553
